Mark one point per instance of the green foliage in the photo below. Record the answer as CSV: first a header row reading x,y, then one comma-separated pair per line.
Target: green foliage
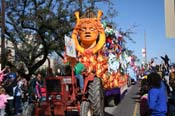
x,y
37,27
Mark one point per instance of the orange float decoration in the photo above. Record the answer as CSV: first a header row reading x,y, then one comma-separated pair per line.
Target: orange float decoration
x,y
88,30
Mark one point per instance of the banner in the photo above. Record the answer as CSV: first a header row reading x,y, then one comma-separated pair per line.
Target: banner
x,y
70,47
170,18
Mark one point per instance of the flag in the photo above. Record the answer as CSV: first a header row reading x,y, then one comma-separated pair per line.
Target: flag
x,y
143,52
70,47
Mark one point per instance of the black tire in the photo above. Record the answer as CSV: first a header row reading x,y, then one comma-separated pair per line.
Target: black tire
x,y
85,109
96,97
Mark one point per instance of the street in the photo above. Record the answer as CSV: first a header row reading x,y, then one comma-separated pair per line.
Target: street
x,y
129,106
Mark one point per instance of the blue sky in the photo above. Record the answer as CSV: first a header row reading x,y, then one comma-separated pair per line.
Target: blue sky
x,y
149,16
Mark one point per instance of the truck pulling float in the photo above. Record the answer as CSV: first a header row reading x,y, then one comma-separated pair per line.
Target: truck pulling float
x,y
99,48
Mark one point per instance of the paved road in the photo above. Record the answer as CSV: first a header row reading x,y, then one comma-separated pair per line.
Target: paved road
x,y
129,106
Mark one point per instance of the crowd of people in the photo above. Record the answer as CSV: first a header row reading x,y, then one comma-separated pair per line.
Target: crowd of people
x,y
158,90
16,91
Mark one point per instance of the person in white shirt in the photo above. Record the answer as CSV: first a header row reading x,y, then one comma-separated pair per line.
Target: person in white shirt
x,y
17,92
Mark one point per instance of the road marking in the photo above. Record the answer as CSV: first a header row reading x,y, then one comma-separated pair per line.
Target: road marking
x,y
135,109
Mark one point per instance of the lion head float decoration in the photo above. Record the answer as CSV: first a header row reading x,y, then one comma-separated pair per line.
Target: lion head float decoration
x,y
88,34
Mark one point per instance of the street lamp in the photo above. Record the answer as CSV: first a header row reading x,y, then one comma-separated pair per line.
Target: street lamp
x,y
2,34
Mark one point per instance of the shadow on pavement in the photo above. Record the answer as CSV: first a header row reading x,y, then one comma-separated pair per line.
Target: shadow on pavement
x,y
136,97
107,114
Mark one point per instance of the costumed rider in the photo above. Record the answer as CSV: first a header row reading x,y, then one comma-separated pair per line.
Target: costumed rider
x,y
78,69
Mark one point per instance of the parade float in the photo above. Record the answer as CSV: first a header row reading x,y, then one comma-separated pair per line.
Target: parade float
x,y
100,48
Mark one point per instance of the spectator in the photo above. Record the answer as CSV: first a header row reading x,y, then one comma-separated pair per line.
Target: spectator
x,y
9,84
172,80
3,101
31,88
24,88
165,73
171,100
152,64
11,74
38,86
144,109
2,75
166,60
157,95
172,72
144,86
17,93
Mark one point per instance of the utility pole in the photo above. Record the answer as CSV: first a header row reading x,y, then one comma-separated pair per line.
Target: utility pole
x,y
2,34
